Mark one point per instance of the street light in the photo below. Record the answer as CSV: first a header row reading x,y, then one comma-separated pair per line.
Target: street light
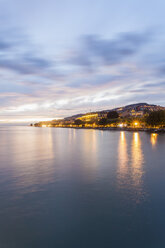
x,y
136,124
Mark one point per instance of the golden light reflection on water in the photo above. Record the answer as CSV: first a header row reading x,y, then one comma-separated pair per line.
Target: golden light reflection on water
x,y
130,170
89,153
154,137
137,160
71,136
123,155
90,142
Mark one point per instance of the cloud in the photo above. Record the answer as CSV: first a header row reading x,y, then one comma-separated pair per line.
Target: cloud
x,y
97,50
25,65
20,55
93,80
155,85
4,45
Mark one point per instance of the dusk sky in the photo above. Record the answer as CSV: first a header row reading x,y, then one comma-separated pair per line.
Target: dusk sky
x,y
63,57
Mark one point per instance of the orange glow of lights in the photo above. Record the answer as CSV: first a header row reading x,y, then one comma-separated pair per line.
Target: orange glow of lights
x,y
154,138
136,138
120,125
122,136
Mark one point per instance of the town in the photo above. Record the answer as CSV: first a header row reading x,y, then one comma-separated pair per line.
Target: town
x,y
140,116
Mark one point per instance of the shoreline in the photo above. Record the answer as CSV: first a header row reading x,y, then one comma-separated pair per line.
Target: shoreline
x,y
131,129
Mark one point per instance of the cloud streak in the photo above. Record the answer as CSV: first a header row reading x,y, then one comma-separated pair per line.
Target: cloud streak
x,y
97,50
20,55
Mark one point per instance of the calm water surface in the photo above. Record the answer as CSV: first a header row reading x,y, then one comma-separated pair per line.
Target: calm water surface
x,y
67,188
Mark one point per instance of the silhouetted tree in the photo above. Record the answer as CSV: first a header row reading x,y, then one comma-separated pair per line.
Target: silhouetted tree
x,y
78,122
112,115
102,121
156,118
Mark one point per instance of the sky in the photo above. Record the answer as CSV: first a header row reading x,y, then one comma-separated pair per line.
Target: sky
x,y
63,57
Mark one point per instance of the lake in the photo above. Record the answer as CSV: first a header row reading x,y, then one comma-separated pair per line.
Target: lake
x,y
74,188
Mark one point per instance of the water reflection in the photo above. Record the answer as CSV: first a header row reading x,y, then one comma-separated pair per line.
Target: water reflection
x,y
154,137
89,149
137,160
33,167
123,156
130,161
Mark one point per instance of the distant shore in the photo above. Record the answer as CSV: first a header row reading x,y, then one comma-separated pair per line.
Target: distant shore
x,y
131,129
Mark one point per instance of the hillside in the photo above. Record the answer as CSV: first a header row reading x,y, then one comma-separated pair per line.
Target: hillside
x,y
139,108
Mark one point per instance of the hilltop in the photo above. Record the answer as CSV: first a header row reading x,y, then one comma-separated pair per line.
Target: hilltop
x,y
137,109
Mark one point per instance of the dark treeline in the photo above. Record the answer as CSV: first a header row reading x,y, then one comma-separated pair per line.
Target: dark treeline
x,y
156,118
153,119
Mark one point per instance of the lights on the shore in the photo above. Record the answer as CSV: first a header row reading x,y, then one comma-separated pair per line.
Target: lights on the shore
x,y
136,124
120,125
43,125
